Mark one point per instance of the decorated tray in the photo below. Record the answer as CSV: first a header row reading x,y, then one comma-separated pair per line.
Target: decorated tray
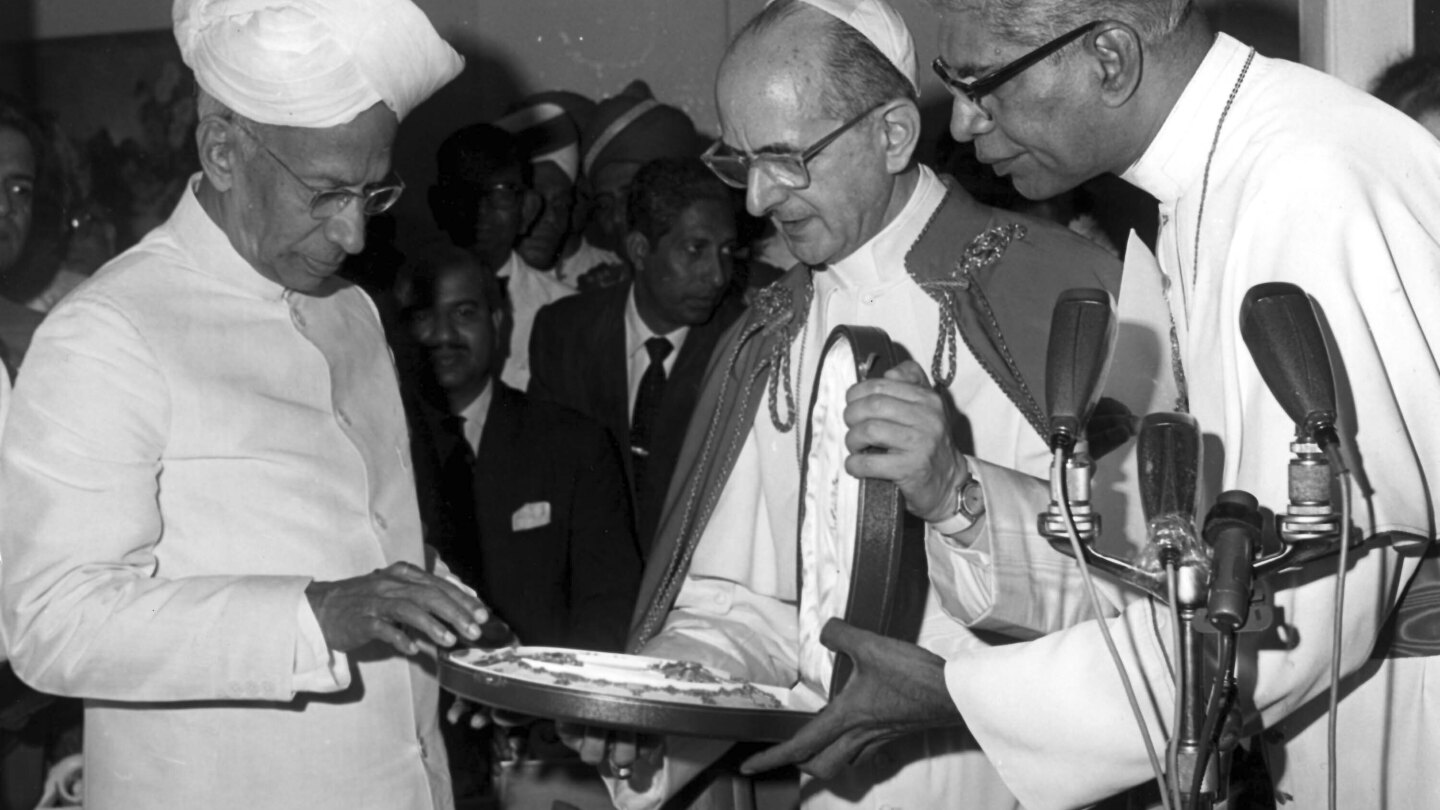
x,y
634,692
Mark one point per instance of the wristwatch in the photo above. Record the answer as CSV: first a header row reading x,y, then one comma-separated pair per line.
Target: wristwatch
x,y
969,507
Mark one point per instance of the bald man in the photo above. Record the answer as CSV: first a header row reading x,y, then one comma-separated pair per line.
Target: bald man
x,y
210,530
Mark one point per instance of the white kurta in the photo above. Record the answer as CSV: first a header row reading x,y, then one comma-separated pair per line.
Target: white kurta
x,y
738,607
1316,184
189,446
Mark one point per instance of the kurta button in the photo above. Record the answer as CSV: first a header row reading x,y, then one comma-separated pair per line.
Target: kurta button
x,y
344,418
380,521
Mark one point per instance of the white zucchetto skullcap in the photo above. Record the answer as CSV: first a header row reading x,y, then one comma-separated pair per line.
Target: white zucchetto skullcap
x,y
313,63
880,24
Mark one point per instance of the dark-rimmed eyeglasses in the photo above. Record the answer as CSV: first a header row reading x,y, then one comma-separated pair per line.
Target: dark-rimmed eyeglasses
x,y
789,169
975,89
375,198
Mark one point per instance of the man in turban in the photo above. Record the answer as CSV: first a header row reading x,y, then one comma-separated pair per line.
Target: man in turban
x,y
210,530
550,140
627,131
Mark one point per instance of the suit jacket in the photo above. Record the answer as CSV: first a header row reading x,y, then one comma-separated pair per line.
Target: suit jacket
x,y
555,554
577,358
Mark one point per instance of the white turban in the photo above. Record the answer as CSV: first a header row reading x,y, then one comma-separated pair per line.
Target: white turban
x,y
882,25
313,63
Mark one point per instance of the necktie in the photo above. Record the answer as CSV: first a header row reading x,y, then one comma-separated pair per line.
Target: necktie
x,y
647,407
457,493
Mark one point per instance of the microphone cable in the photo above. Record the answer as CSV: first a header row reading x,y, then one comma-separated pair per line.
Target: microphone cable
x,y
1172,753
1222,697
1338,629
1057,481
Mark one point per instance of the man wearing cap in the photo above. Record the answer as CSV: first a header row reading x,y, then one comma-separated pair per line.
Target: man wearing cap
x,y
207,517
596,353
483,200
550,138
964,289
628,130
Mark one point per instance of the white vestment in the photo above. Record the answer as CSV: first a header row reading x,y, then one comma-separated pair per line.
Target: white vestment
x,y
1317,184
739,608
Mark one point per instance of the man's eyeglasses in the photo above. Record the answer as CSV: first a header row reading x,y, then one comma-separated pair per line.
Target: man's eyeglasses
x,y
790,170
375,198
976,89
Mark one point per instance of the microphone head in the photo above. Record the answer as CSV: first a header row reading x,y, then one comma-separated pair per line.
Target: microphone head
x,y
1282,332
1082,338
1169,465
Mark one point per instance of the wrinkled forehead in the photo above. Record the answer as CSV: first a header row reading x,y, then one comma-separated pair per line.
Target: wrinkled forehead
x,y
970,44
768,103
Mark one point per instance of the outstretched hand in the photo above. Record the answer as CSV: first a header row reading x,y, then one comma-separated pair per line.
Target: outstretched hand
x,y
896,688
390,603
901,415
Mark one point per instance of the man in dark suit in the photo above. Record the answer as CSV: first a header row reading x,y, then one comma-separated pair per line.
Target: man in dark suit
x,y
542,526
601,353
526,500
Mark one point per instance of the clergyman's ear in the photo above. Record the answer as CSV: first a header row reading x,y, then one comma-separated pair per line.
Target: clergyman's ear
x,y
900,122
1119,54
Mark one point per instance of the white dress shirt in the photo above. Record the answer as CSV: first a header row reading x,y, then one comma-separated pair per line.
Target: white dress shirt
x,y
529,290
637,358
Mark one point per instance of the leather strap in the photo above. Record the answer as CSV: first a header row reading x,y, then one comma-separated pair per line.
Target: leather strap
x,y
889,577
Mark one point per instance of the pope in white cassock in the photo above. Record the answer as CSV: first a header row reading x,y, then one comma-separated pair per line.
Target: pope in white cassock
x,y
964,290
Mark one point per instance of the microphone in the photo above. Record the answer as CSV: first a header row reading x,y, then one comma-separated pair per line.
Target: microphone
x,y
1169,455
1233,531
1282,332
1082,337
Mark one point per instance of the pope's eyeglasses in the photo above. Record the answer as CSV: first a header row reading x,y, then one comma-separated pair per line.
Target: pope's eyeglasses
x,y
789,169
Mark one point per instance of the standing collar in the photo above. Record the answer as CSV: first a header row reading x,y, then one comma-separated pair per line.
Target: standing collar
x,y
1175,160
877,261
210,248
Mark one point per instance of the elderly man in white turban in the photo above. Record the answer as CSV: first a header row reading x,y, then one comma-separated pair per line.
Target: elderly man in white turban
x,y
209,522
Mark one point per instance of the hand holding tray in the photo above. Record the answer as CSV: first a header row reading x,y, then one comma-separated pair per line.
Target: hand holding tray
x,y
638,693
